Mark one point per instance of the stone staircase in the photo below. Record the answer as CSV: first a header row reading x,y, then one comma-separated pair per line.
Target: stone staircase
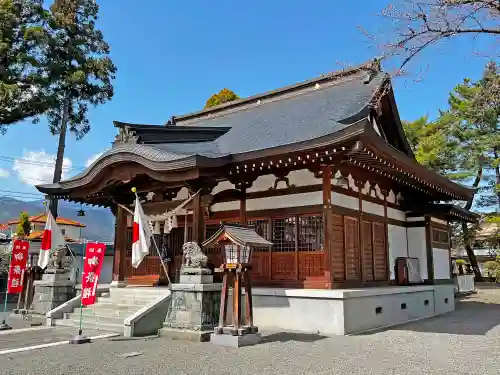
x,y
112,308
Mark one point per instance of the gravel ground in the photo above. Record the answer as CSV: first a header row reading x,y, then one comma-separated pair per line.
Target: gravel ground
x,y
463,342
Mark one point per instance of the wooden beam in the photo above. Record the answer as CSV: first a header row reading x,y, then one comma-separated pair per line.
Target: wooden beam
x,y
429,252
360,187
198,220
119,264
243,207
327,221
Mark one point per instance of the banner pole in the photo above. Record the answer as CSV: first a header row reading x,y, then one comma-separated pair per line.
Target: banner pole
x,y
4,326
80,339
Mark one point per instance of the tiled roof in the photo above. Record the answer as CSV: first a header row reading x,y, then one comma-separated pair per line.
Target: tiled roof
x,y
38,235
294,114
242,235
42,218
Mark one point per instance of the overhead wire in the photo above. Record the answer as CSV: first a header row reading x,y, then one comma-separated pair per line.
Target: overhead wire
x,y
36,163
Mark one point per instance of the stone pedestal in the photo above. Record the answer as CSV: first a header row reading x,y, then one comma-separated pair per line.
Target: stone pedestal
x,y
194,307
54,289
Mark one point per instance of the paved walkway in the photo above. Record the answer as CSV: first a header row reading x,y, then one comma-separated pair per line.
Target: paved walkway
x,y
464,342
23,338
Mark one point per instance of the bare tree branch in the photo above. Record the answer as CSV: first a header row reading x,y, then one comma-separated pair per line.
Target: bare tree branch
x,y
416,25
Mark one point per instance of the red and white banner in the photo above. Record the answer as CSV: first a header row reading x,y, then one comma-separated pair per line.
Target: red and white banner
x,y
18,263
94,258
141,235
51,240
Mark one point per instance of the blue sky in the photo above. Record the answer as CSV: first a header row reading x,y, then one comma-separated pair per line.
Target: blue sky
x,y
172,55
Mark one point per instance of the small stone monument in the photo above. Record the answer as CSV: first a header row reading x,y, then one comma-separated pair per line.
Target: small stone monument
x,y
194,306
55,288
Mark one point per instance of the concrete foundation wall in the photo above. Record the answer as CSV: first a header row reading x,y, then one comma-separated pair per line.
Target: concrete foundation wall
x,y
347,311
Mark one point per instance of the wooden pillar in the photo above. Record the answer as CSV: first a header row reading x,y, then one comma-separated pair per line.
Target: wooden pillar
x,y
236,300
198,220
223,300
430,255
248,298
327,225
386,226
119,265
360,186
243,207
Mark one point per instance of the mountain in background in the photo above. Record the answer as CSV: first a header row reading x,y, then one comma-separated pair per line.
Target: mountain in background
x,y
100,222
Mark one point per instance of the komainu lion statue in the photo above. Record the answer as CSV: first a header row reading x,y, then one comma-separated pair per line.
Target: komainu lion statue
x,y
193,257
58,259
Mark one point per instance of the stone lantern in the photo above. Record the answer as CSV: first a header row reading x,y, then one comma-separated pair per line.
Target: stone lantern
x,y
237,243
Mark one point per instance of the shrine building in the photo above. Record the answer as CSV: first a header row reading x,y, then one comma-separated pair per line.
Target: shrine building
x,y
323,170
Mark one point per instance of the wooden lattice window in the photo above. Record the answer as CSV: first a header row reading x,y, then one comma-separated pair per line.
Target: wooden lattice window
x,y
311,233
284,232
262,228
440,236
210,230
174,241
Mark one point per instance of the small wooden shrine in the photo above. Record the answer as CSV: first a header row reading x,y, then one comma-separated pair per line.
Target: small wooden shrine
x,y
237,243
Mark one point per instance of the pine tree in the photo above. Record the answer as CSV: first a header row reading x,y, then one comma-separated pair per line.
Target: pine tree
x,y
24,78
82,72
463,143
24,226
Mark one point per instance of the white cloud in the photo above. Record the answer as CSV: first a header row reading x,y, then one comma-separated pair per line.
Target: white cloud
x,y
92,159
4,173
37,167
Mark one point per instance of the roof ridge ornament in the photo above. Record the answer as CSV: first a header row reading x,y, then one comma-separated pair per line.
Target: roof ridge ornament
x,y
126,135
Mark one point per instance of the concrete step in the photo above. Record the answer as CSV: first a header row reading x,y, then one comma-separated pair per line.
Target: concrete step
x,y
140,293
96,318
110,309
108,304
100,326
125,302
96,311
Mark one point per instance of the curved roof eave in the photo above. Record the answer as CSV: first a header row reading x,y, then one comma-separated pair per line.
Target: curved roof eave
x,y
195,161
84,178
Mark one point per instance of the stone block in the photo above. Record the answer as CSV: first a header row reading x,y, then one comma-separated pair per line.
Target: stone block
x,y
235,341
196,279
193,312
185,334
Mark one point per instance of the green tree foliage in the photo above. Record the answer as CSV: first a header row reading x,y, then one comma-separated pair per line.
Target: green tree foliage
x,y
24,226
464,144
223,96
24,76
81,69
493,268
80,65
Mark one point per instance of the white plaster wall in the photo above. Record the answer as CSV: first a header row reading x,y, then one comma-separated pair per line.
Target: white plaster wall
x,y
396,214
303,177
439,221
373,208
441,260
398,246
344,201
106,271
417,248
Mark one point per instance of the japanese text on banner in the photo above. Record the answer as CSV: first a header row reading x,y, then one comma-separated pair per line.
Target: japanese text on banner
x,y
17,267
94,258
